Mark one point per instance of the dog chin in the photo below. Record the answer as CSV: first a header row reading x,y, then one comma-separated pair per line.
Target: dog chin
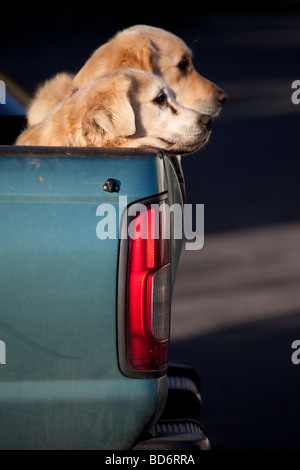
x,y
217,112
206,108
173,147
184,150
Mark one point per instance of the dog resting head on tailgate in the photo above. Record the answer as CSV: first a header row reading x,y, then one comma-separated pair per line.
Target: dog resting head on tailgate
x,y
124,108
141,47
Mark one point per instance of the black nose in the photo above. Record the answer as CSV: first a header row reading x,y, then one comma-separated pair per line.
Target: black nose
x,y
206,120
222,96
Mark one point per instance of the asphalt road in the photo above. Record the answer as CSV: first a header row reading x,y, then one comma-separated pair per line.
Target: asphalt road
x,y
236,304
235,315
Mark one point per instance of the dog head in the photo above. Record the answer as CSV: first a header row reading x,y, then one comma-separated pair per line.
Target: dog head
x,y
160,52
133,108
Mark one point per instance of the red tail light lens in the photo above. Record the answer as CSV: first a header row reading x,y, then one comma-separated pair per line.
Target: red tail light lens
x,y
147,292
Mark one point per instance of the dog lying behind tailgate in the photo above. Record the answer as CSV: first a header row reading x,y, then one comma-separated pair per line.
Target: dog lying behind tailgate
x,y
123,108
141,47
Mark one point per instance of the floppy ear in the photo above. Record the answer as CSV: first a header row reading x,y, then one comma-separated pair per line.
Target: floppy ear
x,y
135,52
109,114
127,49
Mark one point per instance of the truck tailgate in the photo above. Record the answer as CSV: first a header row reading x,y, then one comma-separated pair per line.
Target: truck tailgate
x,y
61,387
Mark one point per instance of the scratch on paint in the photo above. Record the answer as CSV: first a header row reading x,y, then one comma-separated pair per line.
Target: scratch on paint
x,y
10,329
37,164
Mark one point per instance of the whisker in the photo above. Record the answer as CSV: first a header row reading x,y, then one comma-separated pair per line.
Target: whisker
x,y
195,44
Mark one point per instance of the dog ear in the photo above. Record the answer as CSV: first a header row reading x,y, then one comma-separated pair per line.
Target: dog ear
x,y
127,49
136,52
109,114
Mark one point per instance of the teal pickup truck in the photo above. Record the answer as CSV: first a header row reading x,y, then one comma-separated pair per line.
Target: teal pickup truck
x,y
85,304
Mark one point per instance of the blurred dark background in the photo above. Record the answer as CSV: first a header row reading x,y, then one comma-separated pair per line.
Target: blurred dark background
x,y
244,308
249,48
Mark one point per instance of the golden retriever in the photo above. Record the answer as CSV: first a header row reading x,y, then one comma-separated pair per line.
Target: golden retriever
x,y
142,47
123,108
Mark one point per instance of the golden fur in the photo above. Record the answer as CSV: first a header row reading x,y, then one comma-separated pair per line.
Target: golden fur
x,y
123,108
142,47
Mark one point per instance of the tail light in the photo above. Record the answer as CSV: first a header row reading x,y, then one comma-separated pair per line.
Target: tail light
x,y
145,286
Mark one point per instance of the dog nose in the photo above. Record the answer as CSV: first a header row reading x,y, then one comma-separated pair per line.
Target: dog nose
x,y
206,120
222,96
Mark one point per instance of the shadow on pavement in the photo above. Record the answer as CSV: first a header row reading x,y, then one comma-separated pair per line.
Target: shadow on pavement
x,y
250,387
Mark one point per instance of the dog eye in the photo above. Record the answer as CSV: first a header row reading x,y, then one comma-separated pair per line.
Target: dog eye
x,y
160,99
183,64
